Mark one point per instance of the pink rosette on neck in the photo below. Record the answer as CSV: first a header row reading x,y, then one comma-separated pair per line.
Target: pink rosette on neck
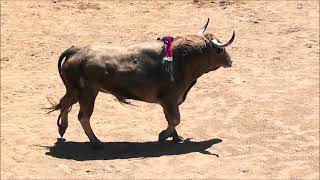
x,y
168,54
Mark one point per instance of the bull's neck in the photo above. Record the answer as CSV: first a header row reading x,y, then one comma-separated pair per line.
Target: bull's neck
x,y
196,67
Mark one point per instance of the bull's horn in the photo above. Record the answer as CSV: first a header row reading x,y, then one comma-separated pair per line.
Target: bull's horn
x,y
215,41
204,28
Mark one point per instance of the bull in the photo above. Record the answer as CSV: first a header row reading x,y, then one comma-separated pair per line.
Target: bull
x,y
136,73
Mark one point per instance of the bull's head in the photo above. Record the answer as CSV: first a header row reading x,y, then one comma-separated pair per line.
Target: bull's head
x,y
218,52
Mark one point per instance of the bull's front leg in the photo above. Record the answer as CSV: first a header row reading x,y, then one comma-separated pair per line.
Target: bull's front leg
x,y
172,114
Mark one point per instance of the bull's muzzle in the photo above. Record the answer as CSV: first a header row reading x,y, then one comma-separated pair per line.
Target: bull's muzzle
x,y
228,64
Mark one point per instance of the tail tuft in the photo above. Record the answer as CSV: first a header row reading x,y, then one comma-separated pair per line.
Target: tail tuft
x,y
54,106
123,101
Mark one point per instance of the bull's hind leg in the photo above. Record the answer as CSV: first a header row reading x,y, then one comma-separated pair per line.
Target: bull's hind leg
x,y
86,101
65,106
172,114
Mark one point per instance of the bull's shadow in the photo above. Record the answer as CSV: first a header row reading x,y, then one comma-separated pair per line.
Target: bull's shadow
x,y
82,151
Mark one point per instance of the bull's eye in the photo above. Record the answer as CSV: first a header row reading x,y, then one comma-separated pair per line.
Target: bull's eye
x,y
219,50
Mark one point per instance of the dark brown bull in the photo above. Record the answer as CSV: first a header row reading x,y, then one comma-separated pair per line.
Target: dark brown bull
x,y
136,73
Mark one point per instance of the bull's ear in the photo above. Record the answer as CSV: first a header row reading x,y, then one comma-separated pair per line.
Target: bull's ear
x,y
204,28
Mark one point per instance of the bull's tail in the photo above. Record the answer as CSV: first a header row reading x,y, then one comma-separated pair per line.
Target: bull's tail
x,y
65,56
68,99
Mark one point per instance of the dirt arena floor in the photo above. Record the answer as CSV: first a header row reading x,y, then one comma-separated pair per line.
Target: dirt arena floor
x,y
258,119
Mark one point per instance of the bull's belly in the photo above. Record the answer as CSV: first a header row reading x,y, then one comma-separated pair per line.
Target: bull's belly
x,y
136,93
127,83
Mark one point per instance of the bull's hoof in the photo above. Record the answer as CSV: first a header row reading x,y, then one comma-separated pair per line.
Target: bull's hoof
x,y
163,136
98,145
177,139
62,130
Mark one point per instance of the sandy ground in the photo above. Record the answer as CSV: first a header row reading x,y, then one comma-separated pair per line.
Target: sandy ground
x,y
258,119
